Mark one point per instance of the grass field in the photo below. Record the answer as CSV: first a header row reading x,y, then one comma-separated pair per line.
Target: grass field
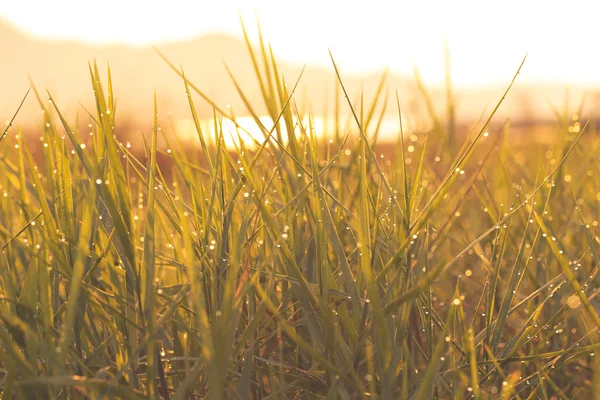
x,y
463,267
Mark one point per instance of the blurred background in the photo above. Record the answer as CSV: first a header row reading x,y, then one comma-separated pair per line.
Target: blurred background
x,y
52,43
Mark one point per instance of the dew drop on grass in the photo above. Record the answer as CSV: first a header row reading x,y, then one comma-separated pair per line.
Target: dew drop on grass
x,y
574,301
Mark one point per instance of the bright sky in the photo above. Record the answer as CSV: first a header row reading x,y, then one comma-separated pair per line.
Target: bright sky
x,y
487,39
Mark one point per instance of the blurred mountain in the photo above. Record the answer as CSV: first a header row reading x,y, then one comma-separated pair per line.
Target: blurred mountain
x,y
61,67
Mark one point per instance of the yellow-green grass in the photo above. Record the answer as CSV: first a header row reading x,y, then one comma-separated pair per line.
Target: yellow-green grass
x,y
299,267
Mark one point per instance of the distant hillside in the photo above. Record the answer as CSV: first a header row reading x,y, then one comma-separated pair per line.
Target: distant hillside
x,y
61,67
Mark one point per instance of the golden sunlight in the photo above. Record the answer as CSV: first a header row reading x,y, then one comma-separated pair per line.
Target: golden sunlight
x,y
486,39
374,199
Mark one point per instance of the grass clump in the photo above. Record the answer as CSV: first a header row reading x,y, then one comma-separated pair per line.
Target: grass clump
x,y
298,267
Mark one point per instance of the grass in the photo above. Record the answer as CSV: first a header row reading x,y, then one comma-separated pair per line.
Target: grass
x,y
299,267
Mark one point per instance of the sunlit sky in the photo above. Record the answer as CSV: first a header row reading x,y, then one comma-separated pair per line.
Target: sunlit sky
x,y
487,39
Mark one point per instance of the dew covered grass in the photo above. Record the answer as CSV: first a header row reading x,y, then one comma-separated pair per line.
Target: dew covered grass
x,y
301,267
